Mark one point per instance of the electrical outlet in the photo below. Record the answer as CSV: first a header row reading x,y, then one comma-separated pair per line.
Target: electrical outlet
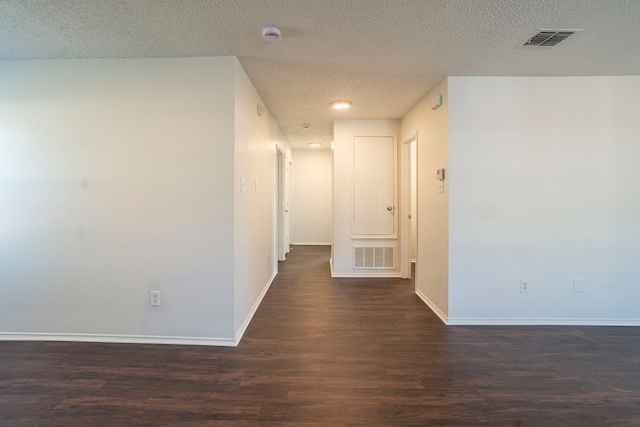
x,y
154,298
524,286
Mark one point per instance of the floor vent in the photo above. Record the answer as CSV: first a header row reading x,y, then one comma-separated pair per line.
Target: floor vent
x,y
381,257
548,38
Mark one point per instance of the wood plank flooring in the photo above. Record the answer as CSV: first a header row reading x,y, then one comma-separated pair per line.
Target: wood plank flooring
x,y
333,352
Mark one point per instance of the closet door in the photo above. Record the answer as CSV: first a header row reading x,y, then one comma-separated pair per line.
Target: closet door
x,y
374,186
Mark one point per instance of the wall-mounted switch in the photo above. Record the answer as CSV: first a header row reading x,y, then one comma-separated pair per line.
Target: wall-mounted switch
x,y
524,286
154,298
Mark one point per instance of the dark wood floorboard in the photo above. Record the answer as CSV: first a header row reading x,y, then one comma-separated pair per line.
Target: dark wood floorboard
x,y
332,352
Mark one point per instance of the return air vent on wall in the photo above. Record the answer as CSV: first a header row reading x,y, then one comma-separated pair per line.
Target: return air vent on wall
x,y
548,38
382,257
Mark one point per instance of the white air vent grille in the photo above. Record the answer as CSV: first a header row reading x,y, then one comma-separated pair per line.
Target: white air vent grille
x,y
381,257
548,38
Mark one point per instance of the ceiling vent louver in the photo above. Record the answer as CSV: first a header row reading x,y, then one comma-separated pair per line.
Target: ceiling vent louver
x,y
548,38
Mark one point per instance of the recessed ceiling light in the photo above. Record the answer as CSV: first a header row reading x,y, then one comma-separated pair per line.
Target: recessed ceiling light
x,y
271,33
341,105
315,144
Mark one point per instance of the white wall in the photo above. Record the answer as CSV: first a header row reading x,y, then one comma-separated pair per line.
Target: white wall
x,y
255,251
344,131
544,186
116,178
122,176
311,197
432,262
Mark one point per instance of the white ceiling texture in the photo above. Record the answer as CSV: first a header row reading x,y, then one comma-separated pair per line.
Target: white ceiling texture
x,y
383,55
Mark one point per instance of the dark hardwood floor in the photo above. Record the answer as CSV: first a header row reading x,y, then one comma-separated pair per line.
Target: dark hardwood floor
x,y
331,352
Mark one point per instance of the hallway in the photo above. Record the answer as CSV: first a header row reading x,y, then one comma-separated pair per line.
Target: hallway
x,y
328,352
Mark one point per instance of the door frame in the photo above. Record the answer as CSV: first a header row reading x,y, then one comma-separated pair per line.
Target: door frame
x,y
283,168
405,205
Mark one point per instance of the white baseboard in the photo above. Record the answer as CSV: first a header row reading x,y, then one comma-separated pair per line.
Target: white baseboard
x,y
142,339
252,312
394,275
121,339
311,243
518,321
433,307
367,275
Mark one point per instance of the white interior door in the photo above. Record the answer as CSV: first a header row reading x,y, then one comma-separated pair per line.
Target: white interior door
x,y
408,187
374,186
287,205
284,167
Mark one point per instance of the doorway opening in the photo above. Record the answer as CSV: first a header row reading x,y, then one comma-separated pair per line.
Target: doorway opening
x,y
283,204
409,218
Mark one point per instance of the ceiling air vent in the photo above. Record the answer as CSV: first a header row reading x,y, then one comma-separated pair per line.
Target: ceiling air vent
x,y
548,38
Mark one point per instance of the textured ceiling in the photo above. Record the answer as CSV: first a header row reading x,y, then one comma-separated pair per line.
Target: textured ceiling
x,y
384,55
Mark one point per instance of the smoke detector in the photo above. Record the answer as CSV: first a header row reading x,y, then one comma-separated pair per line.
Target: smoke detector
x,y
271,33
548,38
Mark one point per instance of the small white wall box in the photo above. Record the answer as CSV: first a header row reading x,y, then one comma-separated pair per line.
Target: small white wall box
x,y
437,102
440,174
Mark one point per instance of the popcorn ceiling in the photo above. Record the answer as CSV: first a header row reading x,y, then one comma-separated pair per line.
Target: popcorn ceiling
x,y
384,55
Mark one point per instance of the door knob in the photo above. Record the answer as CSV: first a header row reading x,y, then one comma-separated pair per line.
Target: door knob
x,y
389,208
